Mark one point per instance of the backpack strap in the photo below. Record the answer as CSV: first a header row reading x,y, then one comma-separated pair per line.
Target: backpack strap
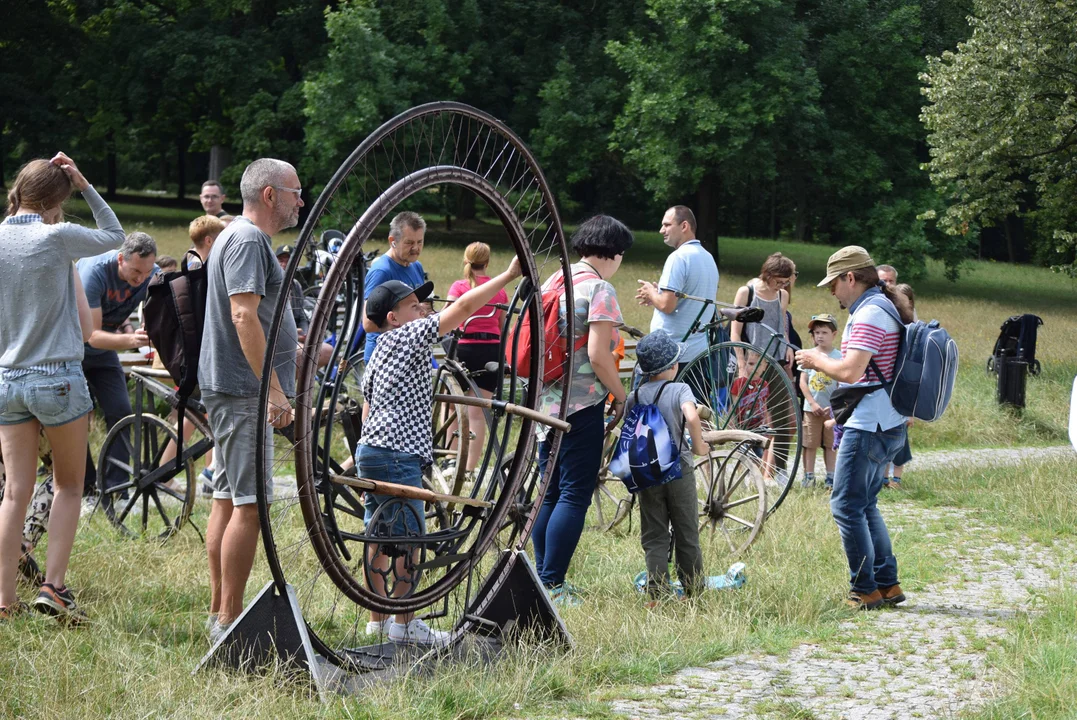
x,y
577,278
680,438
883,303
751,294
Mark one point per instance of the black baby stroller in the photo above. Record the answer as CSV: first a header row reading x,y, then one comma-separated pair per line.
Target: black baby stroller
x,y
1017,340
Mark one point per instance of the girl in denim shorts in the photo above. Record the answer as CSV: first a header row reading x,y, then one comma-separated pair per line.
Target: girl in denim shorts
x,y
43,327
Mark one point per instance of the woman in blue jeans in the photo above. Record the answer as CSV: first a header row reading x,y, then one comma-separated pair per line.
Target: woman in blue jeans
x,y
875,432
601,243
41,379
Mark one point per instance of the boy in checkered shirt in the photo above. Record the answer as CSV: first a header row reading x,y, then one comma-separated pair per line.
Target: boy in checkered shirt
x,y
397,419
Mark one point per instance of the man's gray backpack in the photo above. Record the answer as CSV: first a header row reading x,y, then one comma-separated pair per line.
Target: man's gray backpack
x,y
925,369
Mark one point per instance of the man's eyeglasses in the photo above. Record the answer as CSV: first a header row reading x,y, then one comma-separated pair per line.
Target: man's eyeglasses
x,y
298,191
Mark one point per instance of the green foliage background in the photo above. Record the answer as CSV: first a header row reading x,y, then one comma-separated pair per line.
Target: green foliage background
x,y
772,118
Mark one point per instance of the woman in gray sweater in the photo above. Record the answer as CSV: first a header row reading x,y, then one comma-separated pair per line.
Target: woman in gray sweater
x,y
41,380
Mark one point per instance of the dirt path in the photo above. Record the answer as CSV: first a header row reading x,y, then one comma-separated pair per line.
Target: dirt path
x,y
926,659
979,456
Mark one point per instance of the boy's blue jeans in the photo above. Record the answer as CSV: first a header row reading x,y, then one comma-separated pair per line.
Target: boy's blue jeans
x,y
564,508
858,477
376,463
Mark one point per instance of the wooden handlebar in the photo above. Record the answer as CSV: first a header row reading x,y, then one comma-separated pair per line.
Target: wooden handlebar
x,y
721,437
406,491
510,408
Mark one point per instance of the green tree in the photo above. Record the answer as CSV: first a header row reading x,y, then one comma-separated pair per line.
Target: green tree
x,y
36,43
1002,120
707,84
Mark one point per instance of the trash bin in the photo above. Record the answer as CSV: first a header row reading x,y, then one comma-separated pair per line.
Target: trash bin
x,y
1012,377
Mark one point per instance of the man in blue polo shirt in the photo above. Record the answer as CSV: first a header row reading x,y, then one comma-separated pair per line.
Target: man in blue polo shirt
x,y
115,284
689,269
406,234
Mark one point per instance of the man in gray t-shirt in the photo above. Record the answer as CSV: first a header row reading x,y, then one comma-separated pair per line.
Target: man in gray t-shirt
x,y
245,284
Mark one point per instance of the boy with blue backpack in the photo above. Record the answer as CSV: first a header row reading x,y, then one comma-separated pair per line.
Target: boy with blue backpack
x,y
654,459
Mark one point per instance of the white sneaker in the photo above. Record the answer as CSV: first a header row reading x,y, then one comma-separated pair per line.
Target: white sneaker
x,y
217,631
89,504
379,628
417,632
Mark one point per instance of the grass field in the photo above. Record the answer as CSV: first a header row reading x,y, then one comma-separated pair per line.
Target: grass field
x,y
972,309
148,602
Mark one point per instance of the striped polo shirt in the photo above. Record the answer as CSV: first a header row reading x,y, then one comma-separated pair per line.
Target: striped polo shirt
x,y
870,328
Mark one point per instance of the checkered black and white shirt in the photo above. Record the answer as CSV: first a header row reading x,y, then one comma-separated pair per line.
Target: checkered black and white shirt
x,y
399,389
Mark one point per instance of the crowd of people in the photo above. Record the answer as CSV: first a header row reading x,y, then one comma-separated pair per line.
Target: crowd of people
x,y
48,382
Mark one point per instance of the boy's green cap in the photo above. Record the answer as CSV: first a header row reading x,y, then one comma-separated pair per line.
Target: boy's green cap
x,y
826,318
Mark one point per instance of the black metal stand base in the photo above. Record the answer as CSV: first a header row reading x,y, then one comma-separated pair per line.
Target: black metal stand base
x,y
519,605
271,630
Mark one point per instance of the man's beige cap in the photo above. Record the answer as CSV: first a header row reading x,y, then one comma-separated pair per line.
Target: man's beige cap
x,y
850,257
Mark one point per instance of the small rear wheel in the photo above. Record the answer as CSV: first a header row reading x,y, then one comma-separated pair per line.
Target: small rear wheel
x,y
734,505
157,508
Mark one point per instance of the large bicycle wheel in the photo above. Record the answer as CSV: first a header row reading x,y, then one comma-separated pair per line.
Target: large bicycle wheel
x,y
758,398
458,565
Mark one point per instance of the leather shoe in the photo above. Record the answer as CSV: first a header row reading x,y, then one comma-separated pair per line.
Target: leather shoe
x,y
865,601
892,595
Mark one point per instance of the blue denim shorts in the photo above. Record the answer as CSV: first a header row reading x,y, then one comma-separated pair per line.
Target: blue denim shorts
x,y
54,399
375,463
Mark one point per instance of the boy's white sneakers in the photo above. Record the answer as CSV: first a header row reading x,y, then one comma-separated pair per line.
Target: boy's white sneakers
x,y
417,632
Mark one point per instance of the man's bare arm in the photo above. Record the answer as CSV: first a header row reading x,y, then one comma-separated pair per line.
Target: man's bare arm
x,y
105,340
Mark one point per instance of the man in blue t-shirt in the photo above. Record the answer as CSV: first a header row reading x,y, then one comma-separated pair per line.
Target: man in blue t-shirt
x,y
115,284
689,269
406,234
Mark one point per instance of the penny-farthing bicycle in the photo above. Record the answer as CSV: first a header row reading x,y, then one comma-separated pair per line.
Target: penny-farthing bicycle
x,y
746,389
730,482
445,566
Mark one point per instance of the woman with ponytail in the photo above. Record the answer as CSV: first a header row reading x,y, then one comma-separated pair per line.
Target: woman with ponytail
x,y
480,342
41,379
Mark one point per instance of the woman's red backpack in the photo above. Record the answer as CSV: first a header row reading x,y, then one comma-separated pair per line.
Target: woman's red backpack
x,y
556,347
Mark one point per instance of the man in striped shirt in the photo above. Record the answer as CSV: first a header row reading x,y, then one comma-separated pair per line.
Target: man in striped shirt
x,y
875,433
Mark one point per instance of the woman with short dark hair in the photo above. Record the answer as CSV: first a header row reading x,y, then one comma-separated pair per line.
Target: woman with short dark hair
x,y
41,379
601,243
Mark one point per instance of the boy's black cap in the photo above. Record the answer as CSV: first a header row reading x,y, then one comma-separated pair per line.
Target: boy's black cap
x,y
285,250
385,297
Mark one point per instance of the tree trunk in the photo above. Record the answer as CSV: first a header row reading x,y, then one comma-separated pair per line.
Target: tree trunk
x,y
219,160
1010,254
181,168
774,208
110,172
465,204
163,170
707,213
801,224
